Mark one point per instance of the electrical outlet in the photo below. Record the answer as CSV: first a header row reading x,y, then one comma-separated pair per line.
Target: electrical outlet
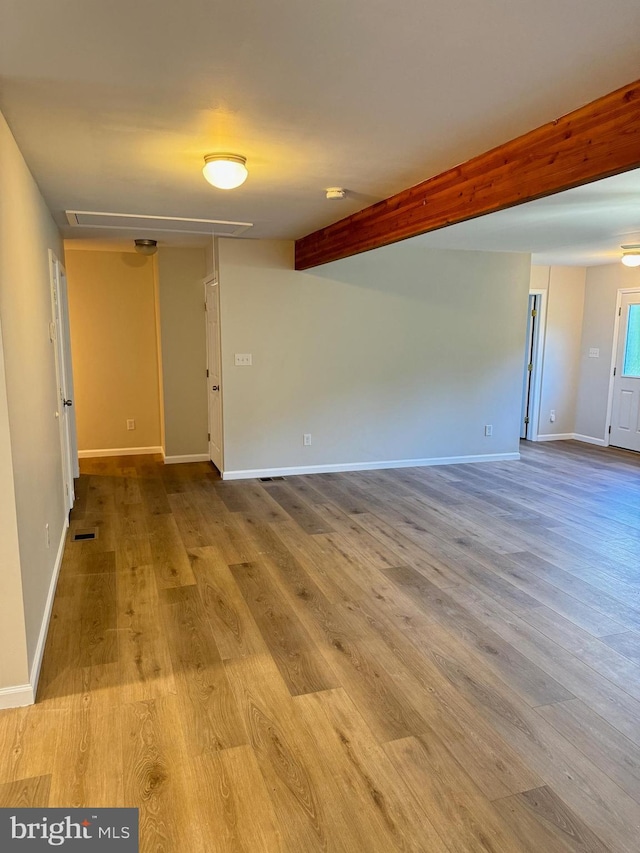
x,y
47,536
594,352
306,439
243,359
488,430
552,416
131,424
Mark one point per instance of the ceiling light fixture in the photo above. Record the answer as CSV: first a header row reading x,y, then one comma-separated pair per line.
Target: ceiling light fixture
x,y
146,247
335,192
631,255
225,171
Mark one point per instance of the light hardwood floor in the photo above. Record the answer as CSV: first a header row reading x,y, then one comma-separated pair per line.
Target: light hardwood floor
x,y
436,659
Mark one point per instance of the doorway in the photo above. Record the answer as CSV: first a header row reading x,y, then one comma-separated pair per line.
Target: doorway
x,y
624,430
60,337
532,368
214,373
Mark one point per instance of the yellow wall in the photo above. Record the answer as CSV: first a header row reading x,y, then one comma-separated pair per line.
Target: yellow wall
x,y
112,307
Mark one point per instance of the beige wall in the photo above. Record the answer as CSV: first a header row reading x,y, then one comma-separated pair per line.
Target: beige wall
x,y
13,642
112,309
602,285
27,232
561,365
397,354
181,274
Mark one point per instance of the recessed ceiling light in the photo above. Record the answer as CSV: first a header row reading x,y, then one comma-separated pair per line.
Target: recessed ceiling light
x,y
225,171
631,255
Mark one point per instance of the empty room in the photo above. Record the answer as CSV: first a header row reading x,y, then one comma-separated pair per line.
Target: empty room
x,y
320,427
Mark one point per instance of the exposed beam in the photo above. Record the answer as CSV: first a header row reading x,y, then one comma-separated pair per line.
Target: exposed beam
x,y
593,142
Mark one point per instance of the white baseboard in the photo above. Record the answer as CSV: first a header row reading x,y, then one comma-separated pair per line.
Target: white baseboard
x,y
17,697
561,436
192,457
589,439
34,675
250,474
568,436
119,451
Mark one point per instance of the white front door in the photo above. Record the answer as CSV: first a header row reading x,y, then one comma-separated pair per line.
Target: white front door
x,y
214,372
625,418
64,379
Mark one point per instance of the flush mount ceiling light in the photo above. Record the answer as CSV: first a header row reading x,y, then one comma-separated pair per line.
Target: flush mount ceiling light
x,y
631,255
225,171
335,192
146,247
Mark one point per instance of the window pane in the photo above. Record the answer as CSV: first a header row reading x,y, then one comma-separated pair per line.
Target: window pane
x,y
632,346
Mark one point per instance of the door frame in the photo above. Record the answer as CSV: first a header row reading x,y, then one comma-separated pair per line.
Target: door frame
x,y
60,338
614,353
540,337
213,279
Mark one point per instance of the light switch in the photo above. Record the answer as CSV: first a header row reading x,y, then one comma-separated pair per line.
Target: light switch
x,y
594,352
243,359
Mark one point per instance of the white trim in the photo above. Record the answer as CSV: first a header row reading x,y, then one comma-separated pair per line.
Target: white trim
x,y
589,439
366,466
16,697
192,457
561,436
614,355
34,676
120,451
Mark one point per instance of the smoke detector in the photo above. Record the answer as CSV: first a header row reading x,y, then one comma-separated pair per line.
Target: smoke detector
x,y
335,192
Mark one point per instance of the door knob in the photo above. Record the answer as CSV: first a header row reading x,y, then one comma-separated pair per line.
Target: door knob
x,y
215,387
68,402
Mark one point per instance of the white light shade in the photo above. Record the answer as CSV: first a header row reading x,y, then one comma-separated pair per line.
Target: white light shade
x,y
225,171
631,256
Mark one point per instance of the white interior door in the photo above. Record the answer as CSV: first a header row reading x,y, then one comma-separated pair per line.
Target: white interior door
x,y
214,373
625,416
64,379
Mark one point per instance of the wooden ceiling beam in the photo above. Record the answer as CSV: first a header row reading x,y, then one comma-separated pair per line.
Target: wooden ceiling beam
x,y
596,141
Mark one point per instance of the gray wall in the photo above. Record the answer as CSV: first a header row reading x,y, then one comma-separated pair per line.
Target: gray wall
x,y
398,354
561,367
602,285
181,274
27,231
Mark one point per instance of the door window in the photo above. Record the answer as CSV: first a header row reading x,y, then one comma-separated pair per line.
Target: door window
x,y
631,364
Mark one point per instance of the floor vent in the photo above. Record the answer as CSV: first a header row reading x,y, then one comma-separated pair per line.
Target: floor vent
x,y
269,479
81,535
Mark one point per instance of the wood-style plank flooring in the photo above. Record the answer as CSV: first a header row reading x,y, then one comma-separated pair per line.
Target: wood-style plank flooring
x,y
437,659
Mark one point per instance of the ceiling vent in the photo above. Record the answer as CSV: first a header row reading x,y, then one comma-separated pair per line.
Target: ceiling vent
x,y
140,222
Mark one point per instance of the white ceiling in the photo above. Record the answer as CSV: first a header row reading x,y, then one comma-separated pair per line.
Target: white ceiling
x,y
114,105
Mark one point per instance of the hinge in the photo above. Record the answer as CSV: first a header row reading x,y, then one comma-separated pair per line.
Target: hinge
x,y
534,313
614,370
207,372
529,367
620,311
526,420
609,429
208,436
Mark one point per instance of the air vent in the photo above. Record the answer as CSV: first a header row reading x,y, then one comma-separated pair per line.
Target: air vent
x,y
269,479
141,222
81,535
